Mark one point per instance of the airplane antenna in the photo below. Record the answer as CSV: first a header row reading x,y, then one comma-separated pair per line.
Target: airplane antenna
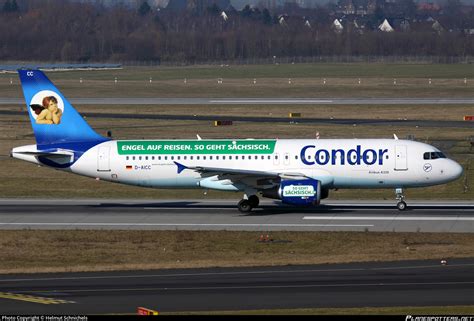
x,y
395,137
198,137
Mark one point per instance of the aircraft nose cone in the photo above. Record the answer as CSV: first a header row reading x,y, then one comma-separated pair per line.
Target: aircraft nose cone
x,y
456,170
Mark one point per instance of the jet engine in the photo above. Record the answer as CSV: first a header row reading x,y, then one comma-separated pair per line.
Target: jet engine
x,y
297,192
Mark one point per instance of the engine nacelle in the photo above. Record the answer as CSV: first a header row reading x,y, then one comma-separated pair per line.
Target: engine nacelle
x,y
300,192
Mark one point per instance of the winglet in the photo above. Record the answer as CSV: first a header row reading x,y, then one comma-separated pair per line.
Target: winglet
x,y
181,167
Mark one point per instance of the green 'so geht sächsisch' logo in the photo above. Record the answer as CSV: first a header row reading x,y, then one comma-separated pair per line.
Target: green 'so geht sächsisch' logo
x,y
182,147
298,190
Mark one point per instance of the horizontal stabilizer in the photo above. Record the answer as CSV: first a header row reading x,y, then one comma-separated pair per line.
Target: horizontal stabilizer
x,y
58,153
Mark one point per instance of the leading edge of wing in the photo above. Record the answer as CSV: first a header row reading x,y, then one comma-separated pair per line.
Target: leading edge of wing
x,y
233,171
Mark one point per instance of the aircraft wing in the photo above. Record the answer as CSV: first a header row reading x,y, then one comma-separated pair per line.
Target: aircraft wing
x,y
253,178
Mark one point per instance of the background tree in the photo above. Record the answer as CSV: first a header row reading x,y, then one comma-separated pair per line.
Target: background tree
x,y
144,9
86,32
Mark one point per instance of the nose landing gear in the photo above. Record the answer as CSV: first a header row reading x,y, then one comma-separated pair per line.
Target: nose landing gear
x,y
401,205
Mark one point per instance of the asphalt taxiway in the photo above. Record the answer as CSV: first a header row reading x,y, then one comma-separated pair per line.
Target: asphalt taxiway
x,y
421,216
408,283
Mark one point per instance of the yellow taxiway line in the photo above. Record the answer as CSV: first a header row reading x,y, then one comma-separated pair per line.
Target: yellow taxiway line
x,y
31,298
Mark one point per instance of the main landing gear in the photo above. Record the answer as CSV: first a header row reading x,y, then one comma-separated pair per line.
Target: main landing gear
x,y
246,205
401,205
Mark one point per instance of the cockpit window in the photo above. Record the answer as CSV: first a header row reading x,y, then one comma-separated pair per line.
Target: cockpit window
x,y
433,155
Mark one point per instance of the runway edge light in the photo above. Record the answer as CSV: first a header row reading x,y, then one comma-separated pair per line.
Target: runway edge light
x,y
145,311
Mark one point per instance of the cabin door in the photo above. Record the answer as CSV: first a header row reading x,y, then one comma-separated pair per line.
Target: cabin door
x,y
401,160
103,159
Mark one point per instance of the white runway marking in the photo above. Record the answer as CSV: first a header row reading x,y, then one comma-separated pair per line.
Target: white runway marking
x,y
434,205
186,224
390,218
271,101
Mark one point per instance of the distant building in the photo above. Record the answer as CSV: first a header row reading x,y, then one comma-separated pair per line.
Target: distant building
x,y
424,6
129,3
337,26
224,16
357,7
386,27
197,5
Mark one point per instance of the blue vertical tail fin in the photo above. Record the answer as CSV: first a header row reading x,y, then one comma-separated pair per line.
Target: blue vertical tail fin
x,y
53,118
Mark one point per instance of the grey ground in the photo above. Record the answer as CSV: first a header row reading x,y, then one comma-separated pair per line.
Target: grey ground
x,y
421,216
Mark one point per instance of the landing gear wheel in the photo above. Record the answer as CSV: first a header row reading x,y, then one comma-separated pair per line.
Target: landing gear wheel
x,y
402,206
244,206
254,200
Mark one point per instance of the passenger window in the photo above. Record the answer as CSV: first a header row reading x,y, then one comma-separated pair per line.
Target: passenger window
x,y
223,157
172,157
249,157
296,156
139,158
185,157
230,157
191,157
256,157
179,157
197,157
263,157
152,157
159,157
210,157
204,157
217,157
133,157
166,157
276,156
269,157
127,158
146,157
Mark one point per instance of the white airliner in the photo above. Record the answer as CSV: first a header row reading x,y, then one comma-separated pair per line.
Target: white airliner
x,y
296,171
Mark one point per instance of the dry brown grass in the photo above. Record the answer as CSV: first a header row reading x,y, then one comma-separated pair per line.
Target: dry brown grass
x,y
428,310
63,251
265,87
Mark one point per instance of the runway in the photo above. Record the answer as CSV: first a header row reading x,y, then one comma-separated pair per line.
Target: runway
x,y
257,101
406,283
421,216
261,119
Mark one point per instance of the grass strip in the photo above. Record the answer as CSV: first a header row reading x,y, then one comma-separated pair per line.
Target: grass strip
x,y
34,251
